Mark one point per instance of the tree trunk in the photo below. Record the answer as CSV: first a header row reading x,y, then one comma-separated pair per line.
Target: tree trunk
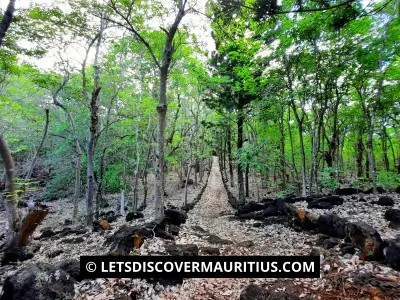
x,y
94,123
359,155
370,152
240,123
122,203
303,162
136,182
282,159
77,190
10,195
46,128
162,114
385,157
247,180
99,192
94,120
230,156
162,111
77,149
296,173
6,21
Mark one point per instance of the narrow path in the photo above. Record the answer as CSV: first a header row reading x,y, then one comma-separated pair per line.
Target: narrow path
x,y
211,225
214,214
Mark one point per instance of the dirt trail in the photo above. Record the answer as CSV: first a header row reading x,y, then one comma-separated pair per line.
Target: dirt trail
x,y
213,216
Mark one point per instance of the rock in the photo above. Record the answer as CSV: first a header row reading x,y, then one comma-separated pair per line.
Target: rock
x,y
270,211
380,190
347,248
189,182
330,243
199,229
213,239
173,229
321,238
164,281
398,190
188,206
253,292
39,281
96,226
392,254
320,205
275,220
284,296
332,225
46,233
245,244
122,241
326,202
133,215
257,224
72,267
385,201
68,230
393,215
367,239
251,207
182,250
14,255
54,253
209,250
110,216
347,191
67,222
255,215
175,215
75,240
314,252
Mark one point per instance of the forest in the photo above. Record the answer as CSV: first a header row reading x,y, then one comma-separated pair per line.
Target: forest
x,y
200,128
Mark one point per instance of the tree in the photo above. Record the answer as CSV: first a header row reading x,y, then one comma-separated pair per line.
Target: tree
x,y
125,10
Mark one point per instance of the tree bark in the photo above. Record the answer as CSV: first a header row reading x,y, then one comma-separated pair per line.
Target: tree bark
x,y
359,155
39,149
296,173
282,160
385,157
7,19
10,195
240,123
94,120
136,183
370,152
94,123
247,180
77,149
230,155
162,111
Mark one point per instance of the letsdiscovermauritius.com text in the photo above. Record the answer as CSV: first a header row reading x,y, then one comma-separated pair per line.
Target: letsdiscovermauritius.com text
x,y
200,266
205,267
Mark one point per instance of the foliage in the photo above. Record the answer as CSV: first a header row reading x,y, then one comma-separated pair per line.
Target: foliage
x,y
388,180
328,180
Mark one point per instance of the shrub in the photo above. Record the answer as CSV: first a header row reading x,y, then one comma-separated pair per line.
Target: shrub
x,y
388,180
328,180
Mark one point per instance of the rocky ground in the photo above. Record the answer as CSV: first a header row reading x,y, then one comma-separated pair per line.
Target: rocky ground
x,y
213,227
